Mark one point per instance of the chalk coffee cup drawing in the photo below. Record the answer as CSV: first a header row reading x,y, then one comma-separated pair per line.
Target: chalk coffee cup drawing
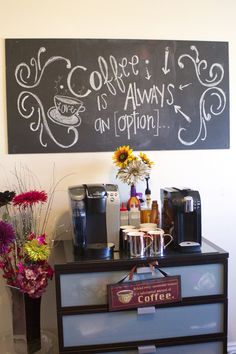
x,y
125,296
139,243
158,244
66,110
68,106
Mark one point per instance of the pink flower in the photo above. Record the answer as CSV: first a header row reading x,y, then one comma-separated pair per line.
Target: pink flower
x,y
33,278
29,198
20,266
41,239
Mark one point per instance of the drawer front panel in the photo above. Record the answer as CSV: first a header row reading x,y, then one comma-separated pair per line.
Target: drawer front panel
x,y
127,326
201,348
82,289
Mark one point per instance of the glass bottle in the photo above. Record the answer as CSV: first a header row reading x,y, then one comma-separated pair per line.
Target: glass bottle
x,y
133,202
155,216
148,194
133,205
124,215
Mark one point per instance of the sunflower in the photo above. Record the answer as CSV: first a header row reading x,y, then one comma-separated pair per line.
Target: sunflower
x,y
122,156
145,159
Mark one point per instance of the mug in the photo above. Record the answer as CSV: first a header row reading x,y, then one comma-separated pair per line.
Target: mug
x,y
139,243
123,236
124,245
158,244
149,225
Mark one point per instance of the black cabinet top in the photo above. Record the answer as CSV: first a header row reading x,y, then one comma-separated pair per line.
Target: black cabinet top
x,y
66,260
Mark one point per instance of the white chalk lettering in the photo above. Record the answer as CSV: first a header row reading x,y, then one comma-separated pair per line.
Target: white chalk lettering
x,y
171,100
102,101
104,70
110,74
100,125
136,97
117,77
123,65
92,80
69,78
129,124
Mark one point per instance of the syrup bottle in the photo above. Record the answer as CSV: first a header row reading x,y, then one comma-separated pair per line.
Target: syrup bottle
x,y
124,215
155,216
148,194
133,202
133,206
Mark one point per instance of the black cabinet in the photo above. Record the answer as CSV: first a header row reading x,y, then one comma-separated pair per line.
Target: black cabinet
x,y
198,324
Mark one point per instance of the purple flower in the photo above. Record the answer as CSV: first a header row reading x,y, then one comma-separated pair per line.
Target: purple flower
x,y
7,236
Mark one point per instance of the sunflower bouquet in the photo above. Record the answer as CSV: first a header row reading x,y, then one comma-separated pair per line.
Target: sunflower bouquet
x,y
24,251
132,168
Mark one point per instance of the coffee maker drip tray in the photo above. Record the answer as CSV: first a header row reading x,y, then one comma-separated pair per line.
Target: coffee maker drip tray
x,y
96,250
189,246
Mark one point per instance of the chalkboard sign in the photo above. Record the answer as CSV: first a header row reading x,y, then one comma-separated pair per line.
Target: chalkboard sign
x,y
81,95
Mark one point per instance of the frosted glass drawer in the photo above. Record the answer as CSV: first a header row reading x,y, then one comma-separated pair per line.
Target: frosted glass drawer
x,y
81,289
201,348
127,326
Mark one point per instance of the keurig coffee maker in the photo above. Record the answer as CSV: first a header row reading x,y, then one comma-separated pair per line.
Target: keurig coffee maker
x,y
181,217
96,219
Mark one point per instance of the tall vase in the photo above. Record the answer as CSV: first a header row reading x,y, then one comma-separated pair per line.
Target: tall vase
x,y
25,322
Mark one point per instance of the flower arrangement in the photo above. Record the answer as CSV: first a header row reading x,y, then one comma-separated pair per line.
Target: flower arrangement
x,y
24,251
132,168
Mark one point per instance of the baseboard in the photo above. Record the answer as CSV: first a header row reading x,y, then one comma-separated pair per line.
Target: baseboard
x,y
232,348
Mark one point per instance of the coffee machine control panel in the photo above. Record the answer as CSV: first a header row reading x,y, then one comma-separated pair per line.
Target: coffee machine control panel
x,y
112,211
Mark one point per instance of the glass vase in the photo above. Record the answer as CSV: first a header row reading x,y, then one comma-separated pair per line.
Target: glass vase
x,y
25,322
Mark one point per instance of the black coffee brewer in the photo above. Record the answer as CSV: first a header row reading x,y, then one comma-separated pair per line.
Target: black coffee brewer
x,y
181,217
95,210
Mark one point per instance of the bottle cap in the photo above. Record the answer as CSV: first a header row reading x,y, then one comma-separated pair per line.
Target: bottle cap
x,y
123,207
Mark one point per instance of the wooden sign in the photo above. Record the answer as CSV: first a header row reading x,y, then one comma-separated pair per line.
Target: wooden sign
x,y
83,95
143,293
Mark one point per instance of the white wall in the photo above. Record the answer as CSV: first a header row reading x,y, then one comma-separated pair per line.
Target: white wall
x,y
210,172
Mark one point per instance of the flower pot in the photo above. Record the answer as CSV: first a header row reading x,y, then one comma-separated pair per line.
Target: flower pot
x,y
25,322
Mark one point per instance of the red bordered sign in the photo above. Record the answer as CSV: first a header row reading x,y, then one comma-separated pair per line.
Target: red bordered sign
x,y
141,293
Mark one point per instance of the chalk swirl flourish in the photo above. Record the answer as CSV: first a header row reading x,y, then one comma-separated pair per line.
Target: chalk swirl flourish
x,y
29,104
212,101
